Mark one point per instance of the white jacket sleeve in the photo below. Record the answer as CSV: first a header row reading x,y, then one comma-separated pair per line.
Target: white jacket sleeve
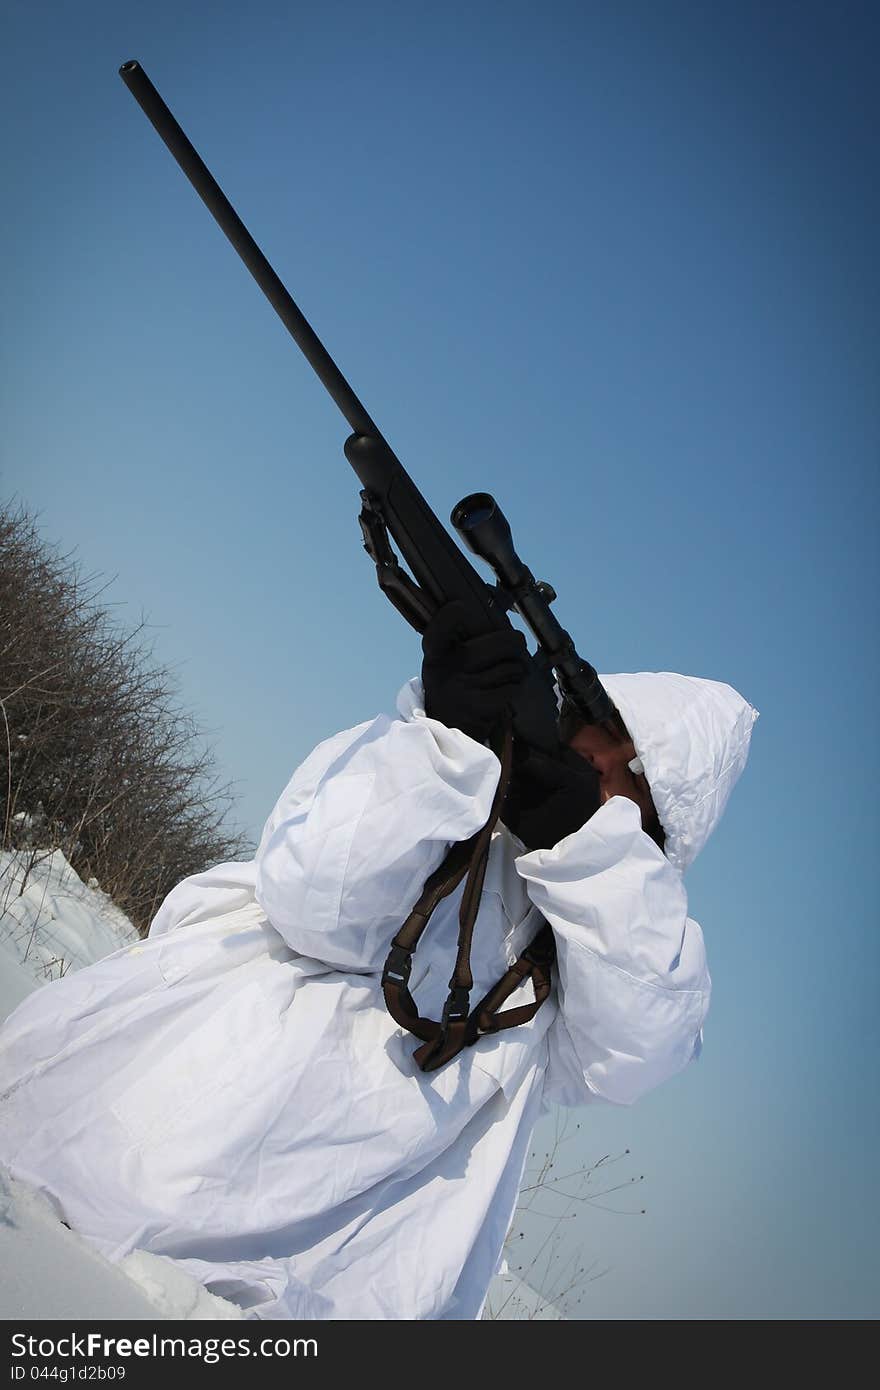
x,y
632,977
362,823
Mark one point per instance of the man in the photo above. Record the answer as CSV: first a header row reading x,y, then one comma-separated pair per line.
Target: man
x,y
232,1093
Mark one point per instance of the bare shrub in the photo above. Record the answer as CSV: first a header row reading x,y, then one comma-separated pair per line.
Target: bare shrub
x,y
544,1251
97,758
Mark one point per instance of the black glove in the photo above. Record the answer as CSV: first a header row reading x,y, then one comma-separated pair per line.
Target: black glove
x,y
550,798
470,681
534,710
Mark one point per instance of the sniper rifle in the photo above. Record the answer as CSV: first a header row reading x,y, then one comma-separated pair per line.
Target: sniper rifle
x,y
391,502
392,505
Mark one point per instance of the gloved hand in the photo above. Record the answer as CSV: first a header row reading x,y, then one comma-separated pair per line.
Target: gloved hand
x,y
470,680
535,720
550,798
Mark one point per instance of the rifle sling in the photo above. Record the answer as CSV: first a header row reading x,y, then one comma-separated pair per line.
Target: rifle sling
x,y
459,1026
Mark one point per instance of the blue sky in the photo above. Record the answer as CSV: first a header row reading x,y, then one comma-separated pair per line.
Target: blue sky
x,y
616,264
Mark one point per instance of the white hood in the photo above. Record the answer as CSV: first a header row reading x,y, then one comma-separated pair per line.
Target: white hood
x,y
692,736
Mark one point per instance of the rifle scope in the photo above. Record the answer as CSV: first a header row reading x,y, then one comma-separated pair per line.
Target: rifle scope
x,y
485,530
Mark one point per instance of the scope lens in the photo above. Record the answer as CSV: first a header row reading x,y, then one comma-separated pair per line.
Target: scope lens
x,y
476,517
473,511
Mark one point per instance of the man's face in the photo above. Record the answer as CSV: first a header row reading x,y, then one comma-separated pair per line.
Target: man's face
x,y
610,759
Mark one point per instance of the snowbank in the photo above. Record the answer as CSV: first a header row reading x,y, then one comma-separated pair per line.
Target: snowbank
x,y
50,921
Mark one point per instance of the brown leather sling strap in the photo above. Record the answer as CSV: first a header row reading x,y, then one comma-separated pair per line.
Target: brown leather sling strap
x,y
459,1027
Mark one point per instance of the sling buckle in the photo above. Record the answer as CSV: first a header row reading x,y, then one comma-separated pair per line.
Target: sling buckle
x,y
398,966
457,1006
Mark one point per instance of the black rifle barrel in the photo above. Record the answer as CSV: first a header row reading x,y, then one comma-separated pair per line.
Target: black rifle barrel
x,y
230,223
436,561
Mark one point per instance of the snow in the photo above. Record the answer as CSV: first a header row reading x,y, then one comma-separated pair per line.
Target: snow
x,y
52,923
49,1272
15,982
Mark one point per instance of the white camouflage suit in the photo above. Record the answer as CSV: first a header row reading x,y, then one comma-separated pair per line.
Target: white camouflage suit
x,y
232,1093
